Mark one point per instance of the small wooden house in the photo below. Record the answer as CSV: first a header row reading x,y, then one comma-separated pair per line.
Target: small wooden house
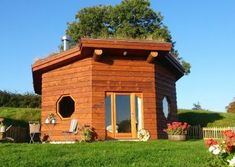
x,y
116,86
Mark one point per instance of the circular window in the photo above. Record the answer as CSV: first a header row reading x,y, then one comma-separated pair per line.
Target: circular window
x,y
66,106
165,106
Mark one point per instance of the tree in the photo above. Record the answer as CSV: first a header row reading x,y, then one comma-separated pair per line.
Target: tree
x,y
197,106
131,19
231,107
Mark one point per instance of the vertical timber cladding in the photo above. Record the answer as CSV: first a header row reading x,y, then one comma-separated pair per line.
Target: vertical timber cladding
x,y
73,80
116,73
165,87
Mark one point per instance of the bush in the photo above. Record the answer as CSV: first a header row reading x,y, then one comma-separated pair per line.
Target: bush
x,y
27,100
86,134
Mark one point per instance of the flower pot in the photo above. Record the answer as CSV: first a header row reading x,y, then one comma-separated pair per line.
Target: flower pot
x,y
47,121
177,137
2,129
53,121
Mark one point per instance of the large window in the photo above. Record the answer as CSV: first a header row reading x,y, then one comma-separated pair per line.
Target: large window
x,y
65,106
165,106
123,113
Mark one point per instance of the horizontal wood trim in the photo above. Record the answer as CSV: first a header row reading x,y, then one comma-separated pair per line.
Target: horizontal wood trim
x,y
123,68
123,73
125,44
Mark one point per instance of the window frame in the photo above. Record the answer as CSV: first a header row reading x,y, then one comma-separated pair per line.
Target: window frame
x,y
132,95
58,108
168,104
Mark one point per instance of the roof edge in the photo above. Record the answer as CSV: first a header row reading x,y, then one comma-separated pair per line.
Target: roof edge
x,y
57,58
176,64
126,44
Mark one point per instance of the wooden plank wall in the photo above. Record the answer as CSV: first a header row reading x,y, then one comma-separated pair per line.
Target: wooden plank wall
x,y
123,74
74,80
165,86
87,81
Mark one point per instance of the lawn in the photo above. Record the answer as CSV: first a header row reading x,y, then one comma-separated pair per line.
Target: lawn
x,y
162,153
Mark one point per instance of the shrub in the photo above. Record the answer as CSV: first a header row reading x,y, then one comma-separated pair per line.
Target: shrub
x,y
86,134
222,151
27,100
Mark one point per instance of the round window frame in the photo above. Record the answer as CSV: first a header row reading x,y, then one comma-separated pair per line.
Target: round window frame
x,y
57,107
169,106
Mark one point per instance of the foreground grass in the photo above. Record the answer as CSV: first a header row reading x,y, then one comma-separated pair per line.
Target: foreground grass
x,y
207,118
160,153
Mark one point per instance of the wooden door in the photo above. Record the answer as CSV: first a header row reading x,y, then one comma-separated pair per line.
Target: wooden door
x,y
122,115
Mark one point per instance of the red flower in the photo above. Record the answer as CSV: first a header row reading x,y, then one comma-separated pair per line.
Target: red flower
x,y
229,134
229,148
211,142
177,128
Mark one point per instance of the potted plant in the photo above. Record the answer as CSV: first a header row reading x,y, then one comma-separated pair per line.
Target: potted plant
x,y
50,119
86,133
177,131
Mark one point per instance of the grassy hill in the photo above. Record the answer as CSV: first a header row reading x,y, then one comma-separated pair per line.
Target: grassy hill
x,y
19,116
207,118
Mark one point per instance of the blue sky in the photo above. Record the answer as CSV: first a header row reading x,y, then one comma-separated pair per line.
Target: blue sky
x,y
204,32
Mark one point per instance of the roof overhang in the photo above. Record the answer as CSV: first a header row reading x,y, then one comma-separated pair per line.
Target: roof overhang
x,y
97,45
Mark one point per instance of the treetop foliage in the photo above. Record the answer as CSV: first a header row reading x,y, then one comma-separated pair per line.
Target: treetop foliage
x,y
197,106
131,19
231,107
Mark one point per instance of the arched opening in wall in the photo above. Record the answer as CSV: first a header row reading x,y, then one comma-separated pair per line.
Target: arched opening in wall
x,y
65,107
165,106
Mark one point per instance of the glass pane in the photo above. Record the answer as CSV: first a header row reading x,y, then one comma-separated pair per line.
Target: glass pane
x,y
108,123
123,114
138,111
165,107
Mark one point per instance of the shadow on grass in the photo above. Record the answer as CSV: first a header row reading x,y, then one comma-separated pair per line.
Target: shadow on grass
x,y
202,119
19,131
16,123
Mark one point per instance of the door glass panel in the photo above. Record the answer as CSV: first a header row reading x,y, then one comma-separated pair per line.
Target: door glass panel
x,y
138,112
123,114
108,115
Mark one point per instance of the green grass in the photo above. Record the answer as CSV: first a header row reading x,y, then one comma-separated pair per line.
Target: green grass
x,y
207,118
162,153
19,116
